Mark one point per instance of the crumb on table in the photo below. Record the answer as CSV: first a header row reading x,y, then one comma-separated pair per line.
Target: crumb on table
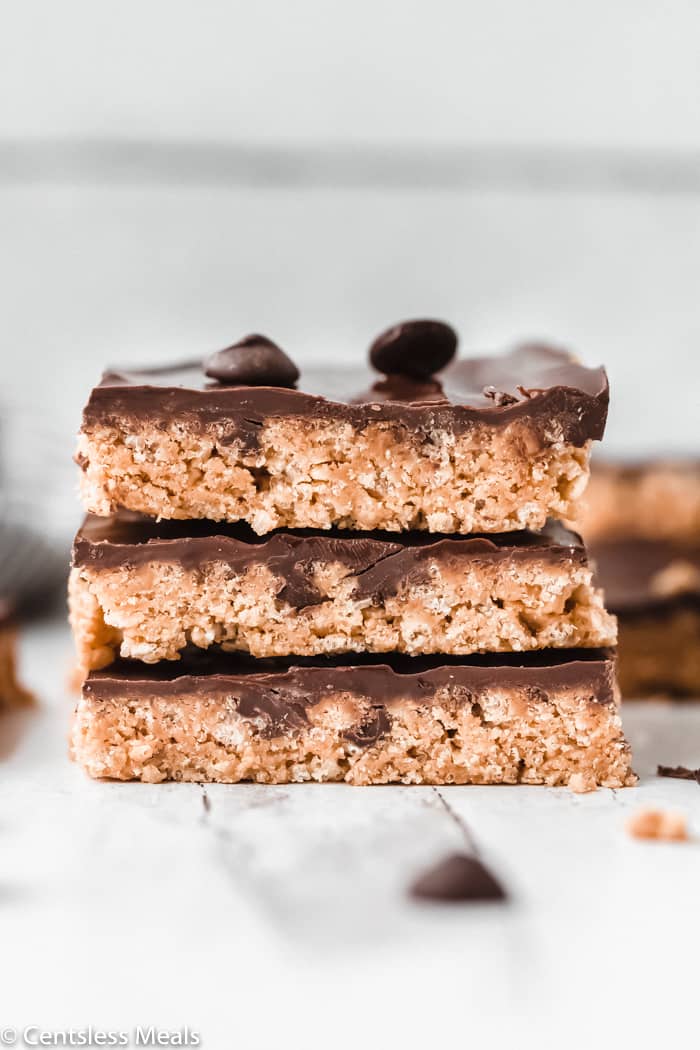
x,y
662,824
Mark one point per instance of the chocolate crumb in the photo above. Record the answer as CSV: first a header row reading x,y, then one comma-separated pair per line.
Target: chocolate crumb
x,y
678,773
253,361
501,397
417,349
458,877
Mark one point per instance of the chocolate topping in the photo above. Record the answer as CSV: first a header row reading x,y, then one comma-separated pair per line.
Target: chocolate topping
x,y
417,349
281,691
641,576
560,399
380,565
458,878
253,361
279,714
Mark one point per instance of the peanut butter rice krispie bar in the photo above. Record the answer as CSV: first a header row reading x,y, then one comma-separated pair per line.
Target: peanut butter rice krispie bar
x,y
491,444
144,590
538,718
655,499
653,587
12,694
641,520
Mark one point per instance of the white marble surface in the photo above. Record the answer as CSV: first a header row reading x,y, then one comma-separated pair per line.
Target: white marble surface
x,y
278,916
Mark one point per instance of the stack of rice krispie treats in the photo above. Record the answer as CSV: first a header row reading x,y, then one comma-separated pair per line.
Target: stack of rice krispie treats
x,y
357,574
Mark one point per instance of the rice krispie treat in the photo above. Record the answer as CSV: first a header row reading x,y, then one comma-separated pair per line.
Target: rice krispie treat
x,y
656,499
12,694
654,589
145,591
538,718
490,444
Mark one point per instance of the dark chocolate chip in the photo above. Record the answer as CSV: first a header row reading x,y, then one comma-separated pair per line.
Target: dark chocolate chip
x,y
414,348
678,773
299,589
368,733
280,714
253,361
458,877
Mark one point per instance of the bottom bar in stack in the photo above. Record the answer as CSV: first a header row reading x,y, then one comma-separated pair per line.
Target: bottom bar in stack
x,y
537,718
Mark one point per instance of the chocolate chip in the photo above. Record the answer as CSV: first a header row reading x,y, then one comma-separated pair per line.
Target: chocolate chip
x,y
253,361
458,878
368,733
678,773
414,348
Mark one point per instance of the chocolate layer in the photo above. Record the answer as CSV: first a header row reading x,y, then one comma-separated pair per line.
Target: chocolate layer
x,y
642,576
537,383
380,564
281,691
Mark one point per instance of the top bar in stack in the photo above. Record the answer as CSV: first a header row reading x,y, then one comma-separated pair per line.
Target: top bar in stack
x,y
494,444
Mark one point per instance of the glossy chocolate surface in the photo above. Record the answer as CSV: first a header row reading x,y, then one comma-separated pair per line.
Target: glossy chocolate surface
x,y
280,691
561,399
638,575
414,348
255,361
381,563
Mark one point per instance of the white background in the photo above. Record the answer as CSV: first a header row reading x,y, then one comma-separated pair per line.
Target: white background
x,y
173,175
480,71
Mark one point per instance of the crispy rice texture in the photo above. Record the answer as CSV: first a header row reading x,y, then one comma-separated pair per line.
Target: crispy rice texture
x,y
501,736
304,474
153,612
